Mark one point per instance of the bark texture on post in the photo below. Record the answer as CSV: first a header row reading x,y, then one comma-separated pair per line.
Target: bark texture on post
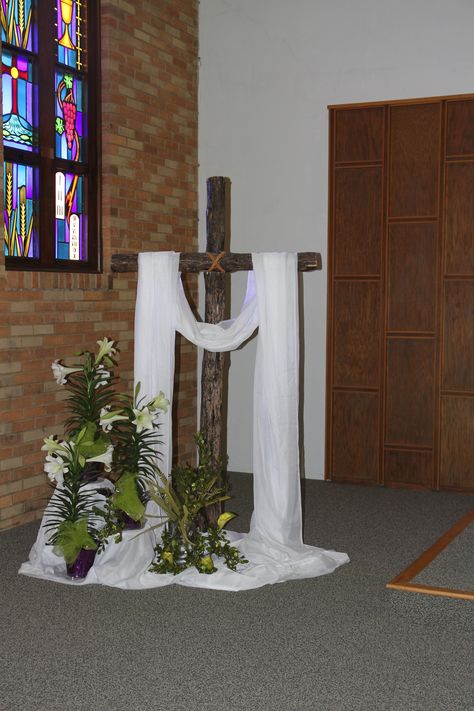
x,y
214,364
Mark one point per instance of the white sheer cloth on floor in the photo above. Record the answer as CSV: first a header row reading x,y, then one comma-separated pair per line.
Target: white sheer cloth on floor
x,y
274,545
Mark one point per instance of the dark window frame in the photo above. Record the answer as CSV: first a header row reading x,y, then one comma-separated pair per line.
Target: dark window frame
x,y
43,159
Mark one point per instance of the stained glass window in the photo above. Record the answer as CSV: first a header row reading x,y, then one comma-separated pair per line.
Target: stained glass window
x,y
68,122
70,217
71,33
18,101
18,26
19,212
49,99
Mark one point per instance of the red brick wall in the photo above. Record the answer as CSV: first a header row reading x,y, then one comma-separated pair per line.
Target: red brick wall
x,y
149,202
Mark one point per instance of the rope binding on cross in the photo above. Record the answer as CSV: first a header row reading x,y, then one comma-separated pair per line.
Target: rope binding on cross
x,y
215,259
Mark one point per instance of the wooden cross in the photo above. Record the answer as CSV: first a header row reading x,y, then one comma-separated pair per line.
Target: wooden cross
x,y
215,262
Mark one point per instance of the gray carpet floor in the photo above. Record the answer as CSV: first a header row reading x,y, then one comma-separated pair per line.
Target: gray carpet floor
x,y
453,567
337,642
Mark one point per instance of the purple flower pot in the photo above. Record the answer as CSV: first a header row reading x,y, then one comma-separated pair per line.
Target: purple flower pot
x,y
81,565
129,524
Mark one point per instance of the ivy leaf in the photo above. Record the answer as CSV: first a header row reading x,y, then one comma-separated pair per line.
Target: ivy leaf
x,y
59,126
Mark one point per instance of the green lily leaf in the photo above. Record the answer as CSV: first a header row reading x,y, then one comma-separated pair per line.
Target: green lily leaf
x,y
89,444
80,436
126,496
136,392
85,436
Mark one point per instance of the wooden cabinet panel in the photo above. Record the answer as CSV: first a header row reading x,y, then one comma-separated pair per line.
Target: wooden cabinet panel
x,y
359,134
405,467
457,442
410,391
458,352
459,244
401,293
355,436
412,260
358,221
414,160
460,128
357,333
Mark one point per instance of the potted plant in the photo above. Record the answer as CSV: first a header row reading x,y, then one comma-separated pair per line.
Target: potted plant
x,y
107,434
134,429
189,539
72,463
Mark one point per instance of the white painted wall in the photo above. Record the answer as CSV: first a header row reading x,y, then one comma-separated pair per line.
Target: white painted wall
x,y
269,68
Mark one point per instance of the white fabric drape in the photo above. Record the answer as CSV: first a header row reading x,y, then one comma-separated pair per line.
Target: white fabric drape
x,y
274,545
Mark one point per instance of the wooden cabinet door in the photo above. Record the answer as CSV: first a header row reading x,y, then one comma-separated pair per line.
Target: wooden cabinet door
x,y
356,294
456,461
400,367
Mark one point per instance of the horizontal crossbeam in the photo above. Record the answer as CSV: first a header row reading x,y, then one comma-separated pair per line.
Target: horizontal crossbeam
x,y
204,261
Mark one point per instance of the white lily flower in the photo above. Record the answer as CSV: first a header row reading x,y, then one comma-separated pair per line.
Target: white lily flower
x,y
105,458
144,419
60,372
106,348
108,417
160,402
55,468
51,445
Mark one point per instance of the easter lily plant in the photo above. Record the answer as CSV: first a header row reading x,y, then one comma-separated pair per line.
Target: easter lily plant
x,y
134,427
108,434
72,461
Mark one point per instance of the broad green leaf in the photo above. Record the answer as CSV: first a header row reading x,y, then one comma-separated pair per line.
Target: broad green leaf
x,y
126,496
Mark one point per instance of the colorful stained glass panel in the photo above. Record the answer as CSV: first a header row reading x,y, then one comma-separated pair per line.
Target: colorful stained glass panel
x,y
71,34
69,120
70,217
19,229
19,129
17,23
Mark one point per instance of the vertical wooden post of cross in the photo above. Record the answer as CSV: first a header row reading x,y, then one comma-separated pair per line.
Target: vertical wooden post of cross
x,y
214,365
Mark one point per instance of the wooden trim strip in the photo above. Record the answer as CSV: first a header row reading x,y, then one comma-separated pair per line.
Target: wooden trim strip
x,y
358,164
460,158
328,439
403,446
431,590
356,388
420,335
402,102
403,580
357,277
457,393
428,219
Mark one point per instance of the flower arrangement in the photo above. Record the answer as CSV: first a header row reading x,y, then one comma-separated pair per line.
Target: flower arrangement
x,y
189,539
106,469
106,433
